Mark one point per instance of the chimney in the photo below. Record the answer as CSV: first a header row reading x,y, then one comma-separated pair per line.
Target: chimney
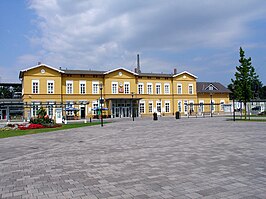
x,y
39,63
175,71
138,64
136,70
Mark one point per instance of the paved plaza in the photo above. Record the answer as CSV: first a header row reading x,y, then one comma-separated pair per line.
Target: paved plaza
x,y
168,158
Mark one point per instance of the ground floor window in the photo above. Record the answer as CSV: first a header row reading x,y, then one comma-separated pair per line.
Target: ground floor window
x,y
150,107
158,107
142,107
69,106
185,106
94,108
34,109
167,107
179,106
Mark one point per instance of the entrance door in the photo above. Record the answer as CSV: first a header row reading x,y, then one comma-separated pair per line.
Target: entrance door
x,y
82,112
58,116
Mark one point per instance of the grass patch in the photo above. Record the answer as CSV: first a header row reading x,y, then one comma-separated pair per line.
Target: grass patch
x,y
12,133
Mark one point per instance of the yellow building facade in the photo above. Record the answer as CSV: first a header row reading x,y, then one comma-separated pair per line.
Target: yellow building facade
x,y
124,93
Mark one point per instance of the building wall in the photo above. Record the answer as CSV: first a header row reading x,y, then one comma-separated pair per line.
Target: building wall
x,y
169,101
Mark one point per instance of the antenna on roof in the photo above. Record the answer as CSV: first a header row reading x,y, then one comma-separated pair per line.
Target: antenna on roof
x,y
39,63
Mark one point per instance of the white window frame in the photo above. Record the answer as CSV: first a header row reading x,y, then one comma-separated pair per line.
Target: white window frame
x,y
150,103
222,102
140,88
70,82
38,86
179,108
190,86
149,91
34,108
166,84
127,91
201,102
158,102
49,90
112,88
180,88
50,107
185,106
95,87
167,102
160,86
80,89
140,103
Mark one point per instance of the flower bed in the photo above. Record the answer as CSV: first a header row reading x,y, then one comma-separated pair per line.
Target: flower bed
x,y
30,126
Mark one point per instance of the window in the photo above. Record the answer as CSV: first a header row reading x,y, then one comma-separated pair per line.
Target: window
x,y
95,87
149,88
179,106
222,105
150,107
69,87
94,107
158,107
167,107
34,108
142,107
127,88
140,88
158,88
114,87
190,88
35,86
201,106
191,106
179,88
82,87
50,86
50,109
167,88
185,106
69,107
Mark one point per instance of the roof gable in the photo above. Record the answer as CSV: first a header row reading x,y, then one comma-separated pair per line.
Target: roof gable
x,y
205,87
40,65
121,68
185,72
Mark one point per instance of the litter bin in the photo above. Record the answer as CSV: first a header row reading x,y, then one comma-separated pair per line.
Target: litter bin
x,y
155,117
177,115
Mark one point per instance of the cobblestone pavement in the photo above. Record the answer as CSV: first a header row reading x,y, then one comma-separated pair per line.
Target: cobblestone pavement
x,y
168,158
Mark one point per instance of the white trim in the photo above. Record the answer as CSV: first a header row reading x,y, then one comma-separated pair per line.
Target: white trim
x,y
186,73
143,91
142,102
82,82
192,89
167,101
127,83
116,87
201,101
35,81
180,106
152,108
151,88
158,84
70,82
120,68
95,82
50,81
179,84
27,69
215,88
169,89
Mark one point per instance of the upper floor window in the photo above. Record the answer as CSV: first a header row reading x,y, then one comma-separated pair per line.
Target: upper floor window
x,y
158,88
35,86
50,86
95,87
190,88
69,87
140,88
179,88
167,88
114,87
82,87
126,88
149,88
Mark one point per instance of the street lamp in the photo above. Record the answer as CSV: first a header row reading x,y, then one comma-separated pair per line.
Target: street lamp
x,y
211,103
233,96
132,108
101,102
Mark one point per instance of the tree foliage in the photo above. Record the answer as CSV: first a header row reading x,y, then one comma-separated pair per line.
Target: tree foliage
x,y
246,83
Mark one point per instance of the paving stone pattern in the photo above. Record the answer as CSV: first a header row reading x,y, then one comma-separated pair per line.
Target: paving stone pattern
x,y
168,158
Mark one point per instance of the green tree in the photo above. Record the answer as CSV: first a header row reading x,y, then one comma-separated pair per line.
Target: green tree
x,y
245,80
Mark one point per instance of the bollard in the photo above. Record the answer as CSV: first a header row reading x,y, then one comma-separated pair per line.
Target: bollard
x,y
155,116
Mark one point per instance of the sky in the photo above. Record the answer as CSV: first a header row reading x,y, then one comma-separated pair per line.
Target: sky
x,y
201,37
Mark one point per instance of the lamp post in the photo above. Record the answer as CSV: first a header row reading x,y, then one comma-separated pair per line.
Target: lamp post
x,y
132,108
233,96
211,103
101,102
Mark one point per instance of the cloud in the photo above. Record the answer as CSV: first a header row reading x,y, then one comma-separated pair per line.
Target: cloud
x,y
104,33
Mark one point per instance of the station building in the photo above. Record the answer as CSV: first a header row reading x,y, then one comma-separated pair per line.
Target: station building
x,y
79,93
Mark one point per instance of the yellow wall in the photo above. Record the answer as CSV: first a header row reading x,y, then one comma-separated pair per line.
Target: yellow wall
x,y
120,76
